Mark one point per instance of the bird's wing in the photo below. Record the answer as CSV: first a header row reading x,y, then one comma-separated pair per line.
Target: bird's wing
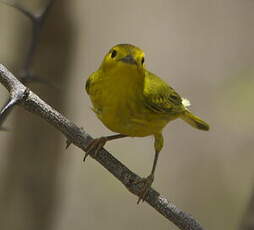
x,y
159,97
89,82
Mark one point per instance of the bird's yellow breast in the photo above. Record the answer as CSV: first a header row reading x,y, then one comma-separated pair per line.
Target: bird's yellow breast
x,y
118,100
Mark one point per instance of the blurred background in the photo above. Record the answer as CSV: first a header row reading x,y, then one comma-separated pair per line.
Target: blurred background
x,y
204,49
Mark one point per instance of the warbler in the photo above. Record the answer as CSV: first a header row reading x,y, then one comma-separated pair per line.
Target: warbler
x,y
133,102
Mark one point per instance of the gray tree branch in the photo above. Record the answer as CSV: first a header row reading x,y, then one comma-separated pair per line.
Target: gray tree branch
x,y
80,138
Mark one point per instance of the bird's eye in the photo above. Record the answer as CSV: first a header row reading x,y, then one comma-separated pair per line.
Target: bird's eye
x,y
142,60
113,53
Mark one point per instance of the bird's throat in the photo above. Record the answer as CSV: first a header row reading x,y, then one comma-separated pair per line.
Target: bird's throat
x,y
125,82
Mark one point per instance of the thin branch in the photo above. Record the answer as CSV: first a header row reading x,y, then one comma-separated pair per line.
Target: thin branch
x,y
7,108
20,8
37,20
25,74
80,138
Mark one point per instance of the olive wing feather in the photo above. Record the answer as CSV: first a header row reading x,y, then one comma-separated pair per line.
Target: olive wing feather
x,y
90,81
159,97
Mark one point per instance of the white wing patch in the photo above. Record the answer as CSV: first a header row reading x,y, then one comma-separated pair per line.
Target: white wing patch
x,y
186,103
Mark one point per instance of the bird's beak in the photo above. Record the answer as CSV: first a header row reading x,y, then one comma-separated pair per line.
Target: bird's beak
x,y
129,59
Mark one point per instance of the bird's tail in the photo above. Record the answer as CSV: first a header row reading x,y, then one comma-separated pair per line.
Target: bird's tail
x,y
194,121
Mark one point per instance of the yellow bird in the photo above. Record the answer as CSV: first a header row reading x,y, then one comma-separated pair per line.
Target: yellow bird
x,y
134,102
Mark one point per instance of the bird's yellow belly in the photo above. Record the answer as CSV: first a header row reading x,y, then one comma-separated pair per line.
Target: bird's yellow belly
x,y
123,117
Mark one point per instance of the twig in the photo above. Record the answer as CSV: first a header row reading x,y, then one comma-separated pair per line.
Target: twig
x,y
80,138
25,74
37,19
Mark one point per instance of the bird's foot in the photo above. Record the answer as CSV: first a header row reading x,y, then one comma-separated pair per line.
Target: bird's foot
x,y
94,146
147,182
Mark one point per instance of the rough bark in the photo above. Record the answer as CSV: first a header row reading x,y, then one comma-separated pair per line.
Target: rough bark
x,y
28,193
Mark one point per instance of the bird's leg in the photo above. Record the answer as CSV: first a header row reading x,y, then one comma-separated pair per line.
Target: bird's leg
x,y
96,144
147,181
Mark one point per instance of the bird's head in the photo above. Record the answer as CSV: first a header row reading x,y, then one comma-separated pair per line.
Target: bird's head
x,y
124,56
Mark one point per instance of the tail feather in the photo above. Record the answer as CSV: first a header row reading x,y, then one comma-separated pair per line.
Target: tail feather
x,y
194,121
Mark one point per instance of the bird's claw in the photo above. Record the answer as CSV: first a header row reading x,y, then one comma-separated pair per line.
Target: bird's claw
x,y
94,146
147,182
